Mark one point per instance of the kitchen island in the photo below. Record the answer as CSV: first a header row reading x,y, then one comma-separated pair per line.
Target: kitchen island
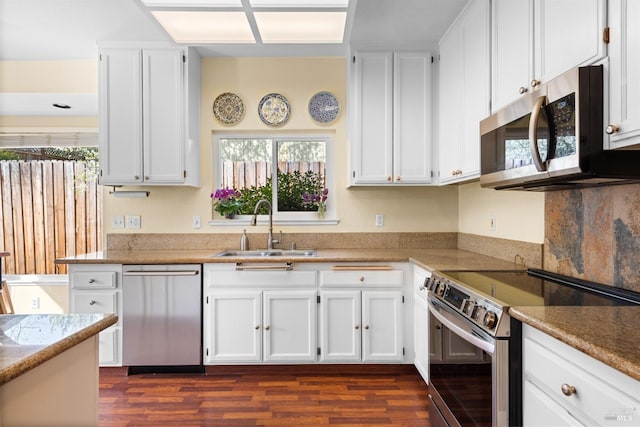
x,y
49,369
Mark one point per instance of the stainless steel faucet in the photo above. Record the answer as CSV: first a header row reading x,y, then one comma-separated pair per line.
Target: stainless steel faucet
x,y
254,221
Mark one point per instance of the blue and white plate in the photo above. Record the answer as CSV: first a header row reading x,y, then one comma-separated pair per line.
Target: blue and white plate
x,y
324,107
273,109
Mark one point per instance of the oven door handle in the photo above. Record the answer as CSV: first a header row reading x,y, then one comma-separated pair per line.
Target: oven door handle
x,y
450,319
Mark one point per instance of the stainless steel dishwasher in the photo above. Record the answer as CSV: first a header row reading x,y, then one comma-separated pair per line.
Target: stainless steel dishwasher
x,y
162,320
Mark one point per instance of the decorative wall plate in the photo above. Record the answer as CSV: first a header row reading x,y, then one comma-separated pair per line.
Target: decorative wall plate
x,y
228,108
324,107
273,109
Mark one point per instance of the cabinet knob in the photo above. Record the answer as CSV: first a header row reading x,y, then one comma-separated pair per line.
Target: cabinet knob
x,y
535,83
366,327
522,90
257,327
146,178
362,278
266,328
568,390
92,302
137,178
398,178
438,327
421,288
389,178
357,327
611,129
92,280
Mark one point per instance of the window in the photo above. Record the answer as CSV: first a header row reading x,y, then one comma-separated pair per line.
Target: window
x,y
291,172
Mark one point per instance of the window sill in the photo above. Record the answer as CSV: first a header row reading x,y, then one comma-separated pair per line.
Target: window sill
x,y
286,221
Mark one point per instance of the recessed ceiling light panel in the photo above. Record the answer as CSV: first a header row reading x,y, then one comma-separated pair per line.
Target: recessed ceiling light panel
x,y
206,27
299,3
301,27
192,3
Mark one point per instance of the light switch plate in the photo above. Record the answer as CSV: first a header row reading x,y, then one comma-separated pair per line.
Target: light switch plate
x,y
117,221
133,221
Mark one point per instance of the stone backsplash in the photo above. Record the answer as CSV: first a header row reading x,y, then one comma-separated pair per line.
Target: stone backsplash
x,y
594,234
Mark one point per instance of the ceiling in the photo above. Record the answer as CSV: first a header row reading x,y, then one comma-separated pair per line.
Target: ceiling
x,y
71,29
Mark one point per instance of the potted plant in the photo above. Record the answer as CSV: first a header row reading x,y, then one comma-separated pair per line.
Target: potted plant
x,y
227,202
318,201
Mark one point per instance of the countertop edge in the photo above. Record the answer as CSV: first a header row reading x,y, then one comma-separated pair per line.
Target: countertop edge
x,y
590,348
50,351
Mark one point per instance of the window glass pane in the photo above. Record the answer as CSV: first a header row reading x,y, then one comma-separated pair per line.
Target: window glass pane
x,y
245,163
301,175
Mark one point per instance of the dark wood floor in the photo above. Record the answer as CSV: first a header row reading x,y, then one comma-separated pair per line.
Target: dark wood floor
x,y
360,395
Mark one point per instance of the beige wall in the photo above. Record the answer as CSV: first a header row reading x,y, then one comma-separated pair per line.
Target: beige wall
x,y
171,209
519,215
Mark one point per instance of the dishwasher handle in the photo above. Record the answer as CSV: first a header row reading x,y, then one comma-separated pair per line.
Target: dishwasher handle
x,y
161,273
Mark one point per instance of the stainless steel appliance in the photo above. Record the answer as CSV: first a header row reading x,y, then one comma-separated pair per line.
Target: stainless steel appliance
x,y
473,306
162,320
554,138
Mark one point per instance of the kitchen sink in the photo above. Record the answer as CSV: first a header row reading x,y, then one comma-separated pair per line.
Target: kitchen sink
x,y
270,253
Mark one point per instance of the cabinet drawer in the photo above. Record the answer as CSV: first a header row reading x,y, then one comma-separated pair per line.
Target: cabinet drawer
x,y
358,278
92,302
599,389
93,280
260,279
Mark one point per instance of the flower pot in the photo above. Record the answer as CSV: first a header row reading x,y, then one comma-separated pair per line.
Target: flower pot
x,y
230,216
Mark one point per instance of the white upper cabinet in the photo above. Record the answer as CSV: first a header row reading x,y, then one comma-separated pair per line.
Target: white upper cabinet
x,y
149,116
624,69
464,92
534,41
392,119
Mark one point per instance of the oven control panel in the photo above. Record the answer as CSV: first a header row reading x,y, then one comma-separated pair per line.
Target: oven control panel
x,y
473,306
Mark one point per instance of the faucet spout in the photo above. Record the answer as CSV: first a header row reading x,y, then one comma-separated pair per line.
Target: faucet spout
x,y
254,221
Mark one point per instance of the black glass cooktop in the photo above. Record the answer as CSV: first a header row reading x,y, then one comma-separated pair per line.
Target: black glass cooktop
x,y
538,287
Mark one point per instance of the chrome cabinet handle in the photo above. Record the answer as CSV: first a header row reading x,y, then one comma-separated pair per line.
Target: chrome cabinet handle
x,y
362,278
522,90
92,302
611,129
92,280
535,83
568,390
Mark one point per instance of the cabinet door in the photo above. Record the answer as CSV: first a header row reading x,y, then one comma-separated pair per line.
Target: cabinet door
x,y
372,153
568,33
120,116
233,326
421,334
624,69
340,326
435,340
290,326
412,118
512,50
163,107
382,320
464,92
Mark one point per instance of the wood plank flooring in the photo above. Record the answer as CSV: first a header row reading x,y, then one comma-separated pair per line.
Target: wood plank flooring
x,y
358,395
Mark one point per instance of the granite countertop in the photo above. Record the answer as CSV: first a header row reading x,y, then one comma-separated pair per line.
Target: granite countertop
x,y
28,340
431,259
608,334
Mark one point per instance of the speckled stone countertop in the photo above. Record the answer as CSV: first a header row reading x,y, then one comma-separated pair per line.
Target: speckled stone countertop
x,y
608,334
28,340
431,259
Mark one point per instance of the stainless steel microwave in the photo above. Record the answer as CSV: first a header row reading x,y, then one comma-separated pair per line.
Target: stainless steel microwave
x,y
553,138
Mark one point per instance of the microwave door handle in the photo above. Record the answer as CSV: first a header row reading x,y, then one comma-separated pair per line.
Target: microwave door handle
x,y
533,135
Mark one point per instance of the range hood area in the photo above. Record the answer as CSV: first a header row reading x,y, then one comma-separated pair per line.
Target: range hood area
x,y
48,119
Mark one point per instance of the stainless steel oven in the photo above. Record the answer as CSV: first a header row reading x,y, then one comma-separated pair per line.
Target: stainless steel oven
x,y
481,385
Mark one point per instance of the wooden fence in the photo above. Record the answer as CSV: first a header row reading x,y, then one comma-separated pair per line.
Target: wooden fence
x,y
247,174
49,210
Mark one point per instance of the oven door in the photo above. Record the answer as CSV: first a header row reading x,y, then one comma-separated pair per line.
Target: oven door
x,y
468,381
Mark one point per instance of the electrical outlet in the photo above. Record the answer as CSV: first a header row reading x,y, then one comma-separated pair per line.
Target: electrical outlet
x,y
117,221
195,221
35,302
492,222
379,220
133,221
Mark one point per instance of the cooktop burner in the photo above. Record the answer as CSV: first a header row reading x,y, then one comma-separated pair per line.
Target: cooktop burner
x,y
483,297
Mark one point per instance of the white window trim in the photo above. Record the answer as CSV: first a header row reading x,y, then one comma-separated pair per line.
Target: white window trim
x,y
281,218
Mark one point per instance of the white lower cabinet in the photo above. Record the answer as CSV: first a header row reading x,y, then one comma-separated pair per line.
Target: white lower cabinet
x,y
421,322
361,316
98,289
565,387
259,316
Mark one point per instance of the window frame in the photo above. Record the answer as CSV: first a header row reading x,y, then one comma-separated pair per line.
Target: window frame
x,y
282,218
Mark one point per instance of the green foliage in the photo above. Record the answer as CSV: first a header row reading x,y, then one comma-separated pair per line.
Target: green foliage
x,y
291,189
252,195
9,155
